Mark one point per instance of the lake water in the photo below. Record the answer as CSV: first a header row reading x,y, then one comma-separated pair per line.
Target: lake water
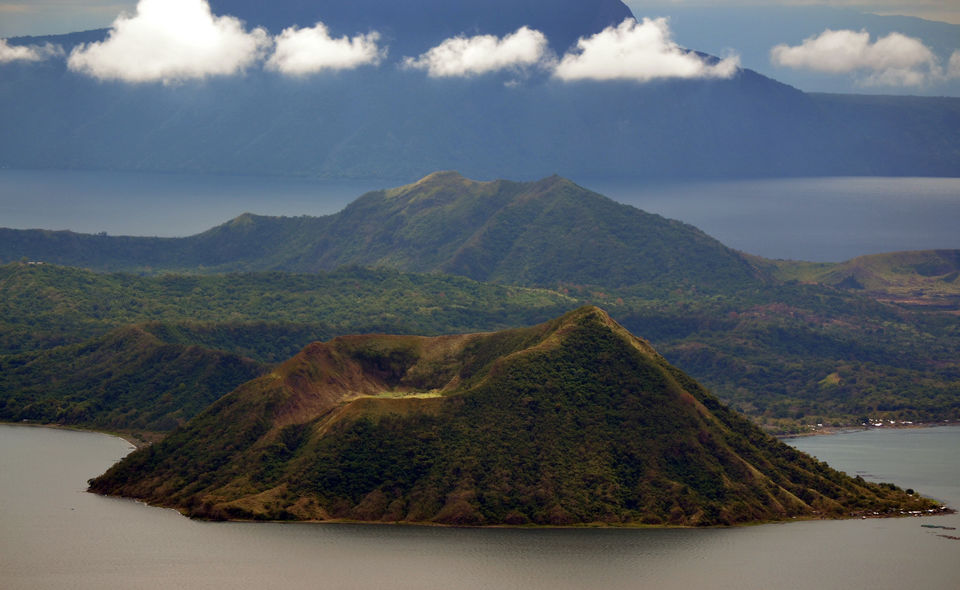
x,y
154,204
54,535
816,219
821,219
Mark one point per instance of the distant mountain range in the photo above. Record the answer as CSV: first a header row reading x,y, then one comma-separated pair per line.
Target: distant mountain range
x,y
570,422
391,122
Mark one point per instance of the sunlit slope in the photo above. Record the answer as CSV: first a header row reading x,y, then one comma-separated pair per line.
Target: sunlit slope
x,y
928,278
571,421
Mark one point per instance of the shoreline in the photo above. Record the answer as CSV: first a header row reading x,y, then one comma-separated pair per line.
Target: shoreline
x,y
138,439
144,438
944,508
831,430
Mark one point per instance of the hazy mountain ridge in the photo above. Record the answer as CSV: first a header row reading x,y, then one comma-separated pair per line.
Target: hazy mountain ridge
x,y
572,421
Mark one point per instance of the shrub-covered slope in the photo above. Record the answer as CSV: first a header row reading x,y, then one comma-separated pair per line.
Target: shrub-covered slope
x,y
572,421
921,278
126,379
267,316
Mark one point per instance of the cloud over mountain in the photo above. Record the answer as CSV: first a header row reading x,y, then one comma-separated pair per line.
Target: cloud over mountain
x,y
171,40
481,54
306,51
10,53
893,60
178,40
640,51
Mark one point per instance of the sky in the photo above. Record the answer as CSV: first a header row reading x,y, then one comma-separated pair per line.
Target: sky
x,y
825,54
940,10
174,41
47,17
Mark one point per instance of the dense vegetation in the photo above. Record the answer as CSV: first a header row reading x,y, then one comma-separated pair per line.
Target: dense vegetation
x,y
572,421
787,354
797,354
44,305
126,380
125,352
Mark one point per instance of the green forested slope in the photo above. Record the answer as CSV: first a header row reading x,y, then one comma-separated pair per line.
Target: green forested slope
x,y
126,380
46,305
792,353
918,278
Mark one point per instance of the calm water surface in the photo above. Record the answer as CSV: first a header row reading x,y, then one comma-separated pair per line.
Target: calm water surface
x,y
817,219
154,204
54,535
822,219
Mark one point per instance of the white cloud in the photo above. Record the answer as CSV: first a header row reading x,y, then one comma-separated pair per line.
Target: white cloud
x,y
953,68
306,51
941,10
468,56
639,51
10,53
171,40
894,60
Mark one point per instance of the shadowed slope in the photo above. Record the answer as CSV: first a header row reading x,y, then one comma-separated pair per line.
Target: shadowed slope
x,y
126,379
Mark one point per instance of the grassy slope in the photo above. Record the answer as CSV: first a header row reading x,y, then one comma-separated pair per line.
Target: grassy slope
x,y
923,278
572,421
